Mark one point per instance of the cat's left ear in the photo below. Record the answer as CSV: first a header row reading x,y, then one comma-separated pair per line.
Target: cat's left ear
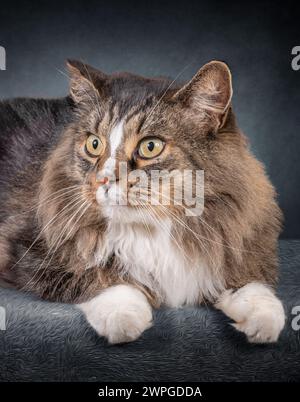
x,y
86,82
210,91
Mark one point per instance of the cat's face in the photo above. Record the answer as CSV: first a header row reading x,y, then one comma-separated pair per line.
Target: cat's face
x,y
131,129
135,152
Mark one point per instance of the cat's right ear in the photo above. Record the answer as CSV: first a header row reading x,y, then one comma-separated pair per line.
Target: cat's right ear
x,y
86,83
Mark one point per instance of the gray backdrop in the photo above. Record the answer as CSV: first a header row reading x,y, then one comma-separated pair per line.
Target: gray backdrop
x,y
163,38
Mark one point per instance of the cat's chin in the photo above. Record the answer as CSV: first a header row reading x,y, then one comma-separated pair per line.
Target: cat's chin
x,y
126,215
115,207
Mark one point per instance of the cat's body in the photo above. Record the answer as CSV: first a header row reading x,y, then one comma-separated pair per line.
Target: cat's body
x,y
61,238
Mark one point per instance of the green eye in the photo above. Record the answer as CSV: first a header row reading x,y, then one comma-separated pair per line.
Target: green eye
x,y
150,148
93,145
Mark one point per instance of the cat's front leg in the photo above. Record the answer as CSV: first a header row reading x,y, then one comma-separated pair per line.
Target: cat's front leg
x,y
256,311
120,313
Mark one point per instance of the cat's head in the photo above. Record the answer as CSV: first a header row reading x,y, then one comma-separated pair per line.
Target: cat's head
x,y
146,127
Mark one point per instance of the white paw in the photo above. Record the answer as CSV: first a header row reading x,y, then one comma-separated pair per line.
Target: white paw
x,y
256,310
261,327
120,313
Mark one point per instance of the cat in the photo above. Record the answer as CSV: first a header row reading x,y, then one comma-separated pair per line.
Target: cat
x,y
62,237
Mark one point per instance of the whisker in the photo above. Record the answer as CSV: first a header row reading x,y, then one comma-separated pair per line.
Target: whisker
x,y
52,220
199,237
36,206
58,243
150,208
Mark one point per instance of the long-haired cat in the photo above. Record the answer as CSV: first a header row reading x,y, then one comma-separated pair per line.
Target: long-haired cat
x,y
63,238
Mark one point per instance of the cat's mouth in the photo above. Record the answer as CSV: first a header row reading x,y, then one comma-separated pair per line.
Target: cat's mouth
x,y
111,194
123,204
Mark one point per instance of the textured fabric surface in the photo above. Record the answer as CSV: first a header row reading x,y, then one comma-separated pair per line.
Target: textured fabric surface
x,y
52,342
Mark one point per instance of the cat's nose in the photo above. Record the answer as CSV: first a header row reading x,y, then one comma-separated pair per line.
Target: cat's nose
x,y
106,178
103,180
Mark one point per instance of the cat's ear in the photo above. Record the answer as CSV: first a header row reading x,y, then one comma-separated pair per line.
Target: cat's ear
x,y
86,83
210,91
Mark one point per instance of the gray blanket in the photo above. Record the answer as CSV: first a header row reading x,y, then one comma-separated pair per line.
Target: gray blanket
x,y
52,342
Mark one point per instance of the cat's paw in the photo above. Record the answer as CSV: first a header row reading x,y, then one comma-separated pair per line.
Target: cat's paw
x,y
256,311
260,328
120,313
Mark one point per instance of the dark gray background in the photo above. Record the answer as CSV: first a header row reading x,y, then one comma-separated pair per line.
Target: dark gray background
x,y
163,38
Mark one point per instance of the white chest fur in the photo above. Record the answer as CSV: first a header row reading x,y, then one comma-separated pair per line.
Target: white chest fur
x,y
157,261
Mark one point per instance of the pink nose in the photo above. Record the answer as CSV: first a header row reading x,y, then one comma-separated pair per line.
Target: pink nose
x,y
103,180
